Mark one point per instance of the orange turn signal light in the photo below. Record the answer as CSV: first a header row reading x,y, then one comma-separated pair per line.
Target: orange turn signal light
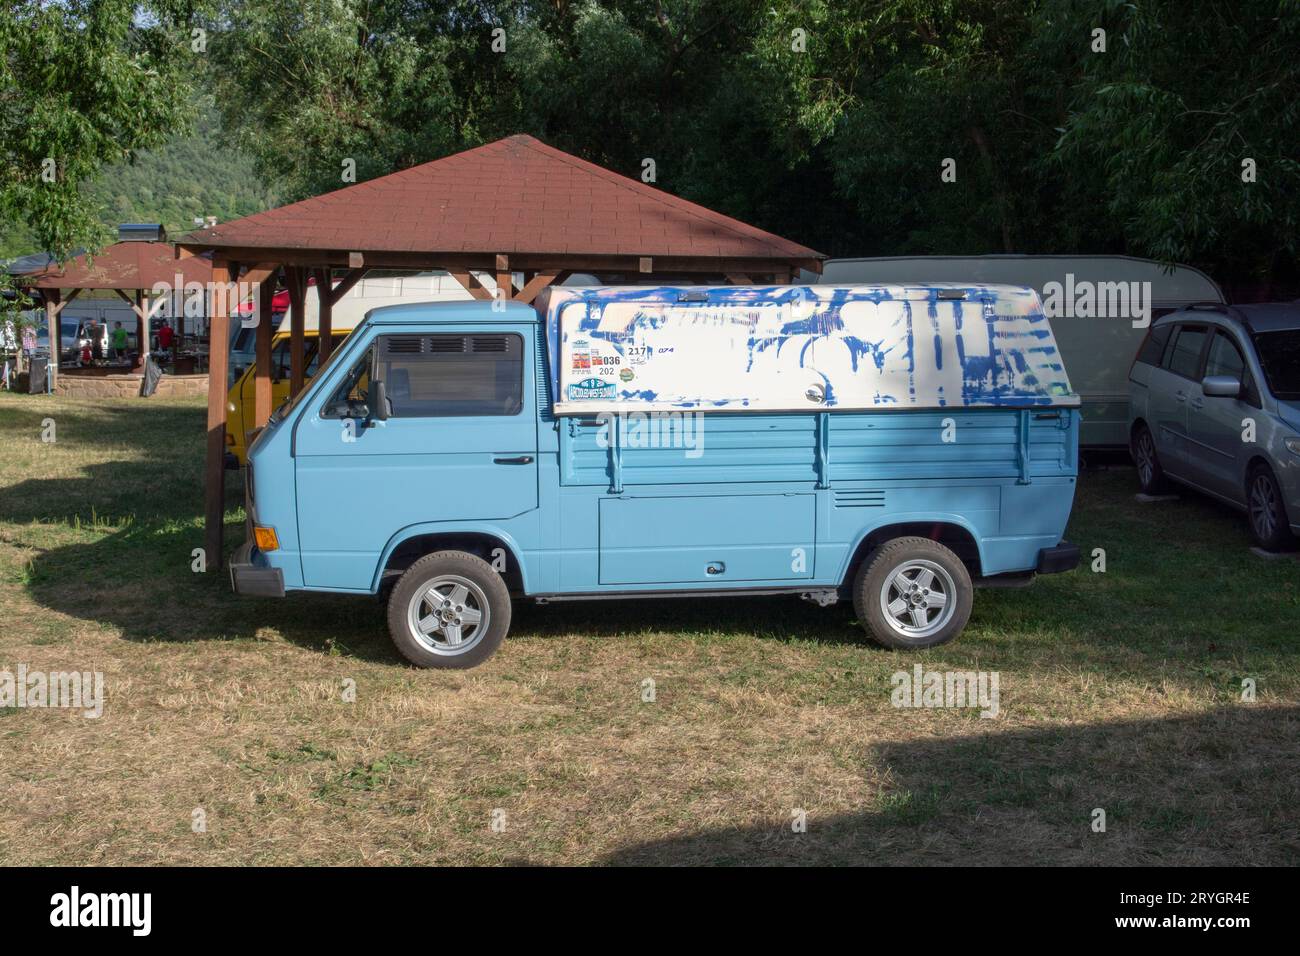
x,y
266,539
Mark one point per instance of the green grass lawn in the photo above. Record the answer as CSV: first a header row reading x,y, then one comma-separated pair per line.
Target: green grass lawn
x,y
1119,690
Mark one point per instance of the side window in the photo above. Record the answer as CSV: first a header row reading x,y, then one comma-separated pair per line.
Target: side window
x,y
1226,359
428,376
353,392
1185,357
1153,346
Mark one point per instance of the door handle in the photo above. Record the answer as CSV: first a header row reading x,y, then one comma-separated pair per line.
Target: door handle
x,y
1198,403
1180,396
715,567
520,460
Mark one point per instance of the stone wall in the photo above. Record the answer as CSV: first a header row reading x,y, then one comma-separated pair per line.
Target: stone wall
x,y
128,386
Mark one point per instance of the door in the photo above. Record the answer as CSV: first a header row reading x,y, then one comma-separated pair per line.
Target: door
x,y
1169,390
715,540
1214,424
460,445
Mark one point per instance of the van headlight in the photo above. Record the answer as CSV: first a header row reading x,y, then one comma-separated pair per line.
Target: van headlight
x,y
1293,445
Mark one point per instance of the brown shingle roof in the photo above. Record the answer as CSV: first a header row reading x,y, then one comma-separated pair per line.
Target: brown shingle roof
x,y
516,195
123,265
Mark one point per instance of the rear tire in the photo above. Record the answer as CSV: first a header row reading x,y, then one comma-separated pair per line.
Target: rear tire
x,y
1142,449
913,593
1266,512
449,610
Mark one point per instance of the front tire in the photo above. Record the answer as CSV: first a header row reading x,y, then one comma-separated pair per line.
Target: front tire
x,y
449,610
913,593
1265,511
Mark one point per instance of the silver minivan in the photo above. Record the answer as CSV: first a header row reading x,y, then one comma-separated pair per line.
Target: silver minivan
x,y
1214,404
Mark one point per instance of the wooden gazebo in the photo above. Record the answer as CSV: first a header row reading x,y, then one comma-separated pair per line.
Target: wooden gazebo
x,y
136,270
513,208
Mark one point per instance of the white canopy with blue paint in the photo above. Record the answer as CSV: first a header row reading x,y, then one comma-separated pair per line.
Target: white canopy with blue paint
x,y
801,348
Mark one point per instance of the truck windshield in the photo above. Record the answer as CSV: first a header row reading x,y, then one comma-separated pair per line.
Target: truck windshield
x,y
1279,353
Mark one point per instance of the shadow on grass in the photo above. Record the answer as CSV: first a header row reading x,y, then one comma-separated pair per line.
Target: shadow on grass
x,y
1219,788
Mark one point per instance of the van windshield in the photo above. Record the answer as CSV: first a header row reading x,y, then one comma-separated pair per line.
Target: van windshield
x,y
1279,353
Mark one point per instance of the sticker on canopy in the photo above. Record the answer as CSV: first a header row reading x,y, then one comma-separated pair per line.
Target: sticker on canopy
x,y
589,389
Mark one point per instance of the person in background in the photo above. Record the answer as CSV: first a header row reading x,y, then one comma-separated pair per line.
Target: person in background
x,y
91,333
119,342
165,336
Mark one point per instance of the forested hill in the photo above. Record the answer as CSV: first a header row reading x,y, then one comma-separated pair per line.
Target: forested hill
x,y
197,175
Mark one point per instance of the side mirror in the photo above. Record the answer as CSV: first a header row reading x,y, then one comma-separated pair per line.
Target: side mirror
x,y
379,407
1221,386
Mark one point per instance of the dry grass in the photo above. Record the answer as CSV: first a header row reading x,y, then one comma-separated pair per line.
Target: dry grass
x,y
1118,690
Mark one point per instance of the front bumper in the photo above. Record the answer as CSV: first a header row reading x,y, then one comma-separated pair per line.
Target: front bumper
x,y
251,579
1063,557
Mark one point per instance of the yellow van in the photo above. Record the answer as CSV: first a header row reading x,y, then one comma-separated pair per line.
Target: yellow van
x,y
242,406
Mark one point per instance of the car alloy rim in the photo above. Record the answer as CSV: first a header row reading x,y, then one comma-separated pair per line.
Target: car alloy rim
x,y
449,615
1262,504
919,597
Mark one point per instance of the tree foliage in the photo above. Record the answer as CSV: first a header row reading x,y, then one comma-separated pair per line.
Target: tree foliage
x,y
83,84
828,121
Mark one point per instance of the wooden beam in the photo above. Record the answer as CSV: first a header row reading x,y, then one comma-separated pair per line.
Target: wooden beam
x,y
52,307
739,278
469,281
519,262
215,470
356,260
533,287
259,273
325,302
345,284
59,306
296,281
262,372
646,264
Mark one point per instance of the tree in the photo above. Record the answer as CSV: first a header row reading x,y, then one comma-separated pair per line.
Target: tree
x,y
83,83
1194,123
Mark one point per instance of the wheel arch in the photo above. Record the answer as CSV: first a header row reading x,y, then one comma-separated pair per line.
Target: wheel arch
x,y
952,531
409,545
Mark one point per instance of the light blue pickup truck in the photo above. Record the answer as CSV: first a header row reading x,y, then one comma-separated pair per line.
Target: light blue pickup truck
x,y
896,445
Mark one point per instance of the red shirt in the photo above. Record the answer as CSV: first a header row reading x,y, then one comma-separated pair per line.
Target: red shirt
x,y
165,337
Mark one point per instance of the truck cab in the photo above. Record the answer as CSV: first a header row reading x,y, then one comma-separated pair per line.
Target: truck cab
x,y
467,454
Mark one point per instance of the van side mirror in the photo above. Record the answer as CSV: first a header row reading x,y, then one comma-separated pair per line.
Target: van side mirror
x,y
379,405
1221,386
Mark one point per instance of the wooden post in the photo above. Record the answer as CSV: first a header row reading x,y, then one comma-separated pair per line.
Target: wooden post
x,y
142,320
218,363
178,306
505,282
297,301
325,324
52,310
262,372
